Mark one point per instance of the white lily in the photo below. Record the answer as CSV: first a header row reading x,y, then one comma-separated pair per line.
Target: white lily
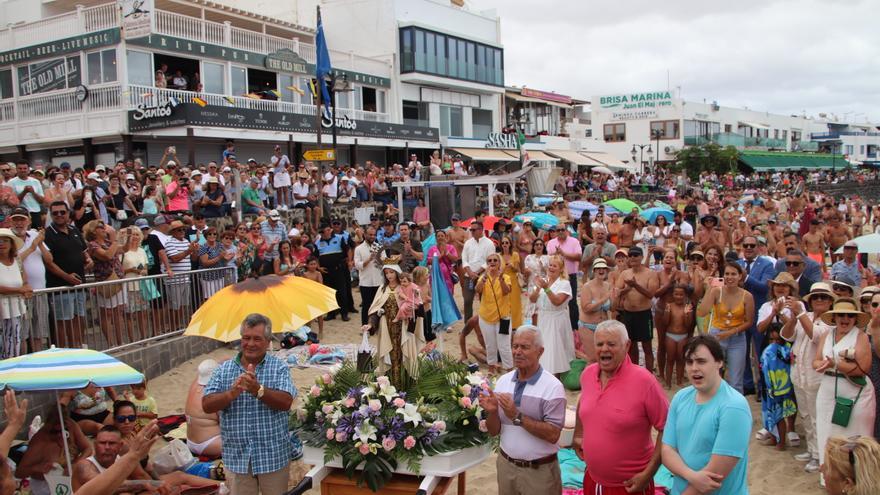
x,y
475,379
365,432
410,413
335,416
388,392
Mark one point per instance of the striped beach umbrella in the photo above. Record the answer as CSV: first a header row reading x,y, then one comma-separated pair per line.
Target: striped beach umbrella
x,y
65,369
289,302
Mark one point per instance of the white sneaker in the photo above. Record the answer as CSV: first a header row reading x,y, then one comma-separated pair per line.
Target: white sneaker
x,y
794,440
762,434
812,466
803,457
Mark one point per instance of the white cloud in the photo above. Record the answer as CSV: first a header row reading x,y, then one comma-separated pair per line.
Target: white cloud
x,y
775,55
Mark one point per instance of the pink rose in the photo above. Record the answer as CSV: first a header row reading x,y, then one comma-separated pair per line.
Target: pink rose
x,y
364,449
485,386
409,442
466,390
327,378
315,391
330,434
483,427
383,381
388,443
398,402
349,402
440,425
327,408
341,436
465,402
375,405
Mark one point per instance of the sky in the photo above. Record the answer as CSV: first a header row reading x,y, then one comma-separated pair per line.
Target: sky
x,y
785,57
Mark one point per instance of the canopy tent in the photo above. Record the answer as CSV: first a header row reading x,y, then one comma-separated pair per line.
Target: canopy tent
x,y
572,157
753,125
539,156
767,160
488,155
610,161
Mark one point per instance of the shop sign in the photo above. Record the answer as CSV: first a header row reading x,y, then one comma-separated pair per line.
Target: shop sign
x,y
146,118
544,95
636,101
500,140
286,60
633,115
60,47
137,17
49,75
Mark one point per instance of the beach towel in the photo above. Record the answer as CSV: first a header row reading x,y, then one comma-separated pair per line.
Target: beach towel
x,y
778,401
169,423
572,469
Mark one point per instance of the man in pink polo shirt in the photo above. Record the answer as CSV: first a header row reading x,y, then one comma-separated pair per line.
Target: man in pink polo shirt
x,y
570,249
620,403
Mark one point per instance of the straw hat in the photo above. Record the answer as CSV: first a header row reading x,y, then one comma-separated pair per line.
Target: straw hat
x,y
784,278
846,306
12,237
819,288
600,263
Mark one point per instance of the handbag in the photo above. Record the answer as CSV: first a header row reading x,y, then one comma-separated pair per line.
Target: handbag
x,y
504,323
121,215
109,290
843,407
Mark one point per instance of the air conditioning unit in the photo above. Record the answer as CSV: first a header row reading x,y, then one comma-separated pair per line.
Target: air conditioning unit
x,y
715,106
670,149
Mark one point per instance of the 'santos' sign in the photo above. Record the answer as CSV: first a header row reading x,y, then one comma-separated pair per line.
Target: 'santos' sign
x,y
634,101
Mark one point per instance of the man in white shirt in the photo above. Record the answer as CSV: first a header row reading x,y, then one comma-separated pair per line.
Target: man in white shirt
x,y
458,166
212,172
368,262
687,230
34,255
28,190
473,261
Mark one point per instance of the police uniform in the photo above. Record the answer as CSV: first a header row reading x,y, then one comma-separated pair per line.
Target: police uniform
x,y
332,257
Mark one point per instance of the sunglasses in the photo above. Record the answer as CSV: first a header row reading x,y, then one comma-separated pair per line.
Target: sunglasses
x,y
491,261
59,213
210,233
850,447
794,263
475,229
750,246
635,255
841,287
131,418
822,297
696,258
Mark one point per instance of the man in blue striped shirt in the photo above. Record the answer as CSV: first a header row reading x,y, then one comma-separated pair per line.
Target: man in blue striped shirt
x,y
253,393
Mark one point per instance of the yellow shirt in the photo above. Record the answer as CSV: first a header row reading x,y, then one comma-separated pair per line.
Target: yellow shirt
x,y
494,304
147,405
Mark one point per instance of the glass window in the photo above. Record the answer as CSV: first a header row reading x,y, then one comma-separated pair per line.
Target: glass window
x,y
441,54
669,129
462,59
108,65
6,84
450,121
430,57
369,99
481,63
482,122
380,101
343,99
93,64
213,81
415,113
49,75
499,67
453,59
614,132
445,55
420,50
306,97
472,61
407,49
285,81
140,68
239,81
74,71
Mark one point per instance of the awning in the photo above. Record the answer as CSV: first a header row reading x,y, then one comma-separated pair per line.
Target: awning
x,y
608,160
753,124
540,156
531,99
572,157
494,179
488,155
765,160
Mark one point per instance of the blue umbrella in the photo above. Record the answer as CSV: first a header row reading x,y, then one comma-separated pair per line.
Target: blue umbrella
x,y
577,208
539,219
651,214
426,245
444,312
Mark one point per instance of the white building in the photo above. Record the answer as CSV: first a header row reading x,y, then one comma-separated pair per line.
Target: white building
x,y
656,124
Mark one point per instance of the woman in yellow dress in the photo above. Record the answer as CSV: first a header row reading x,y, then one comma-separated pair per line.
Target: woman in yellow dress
x,y
512,267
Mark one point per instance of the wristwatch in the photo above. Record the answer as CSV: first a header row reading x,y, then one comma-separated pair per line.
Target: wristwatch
x,y
517,421
260,392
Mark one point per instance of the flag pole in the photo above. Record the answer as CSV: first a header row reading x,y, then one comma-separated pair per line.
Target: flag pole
x,y
318,91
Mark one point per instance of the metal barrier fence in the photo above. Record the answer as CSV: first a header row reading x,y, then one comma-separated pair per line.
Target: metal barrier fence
x,y
115,314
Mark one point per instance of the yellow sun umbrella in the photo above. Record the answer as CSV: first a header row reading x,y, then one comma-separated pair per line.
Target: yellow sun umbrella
x,y
290,302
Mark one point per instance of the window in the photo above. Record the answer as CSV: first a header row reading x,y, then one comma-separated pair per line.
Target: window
x,y
49,75
239,81
482,122
306,97
140,68
727,128
102,66
452,56
441,54
615,133
451,121
862,149
213,81
415,113
849,149
435,53
420,50
368,99
668,129
406,50
430,56
785,134
6,84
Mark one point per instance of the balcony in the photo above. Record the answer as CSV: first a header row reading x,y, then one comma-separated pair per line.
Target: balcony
x,y
81,21
820,136
737,140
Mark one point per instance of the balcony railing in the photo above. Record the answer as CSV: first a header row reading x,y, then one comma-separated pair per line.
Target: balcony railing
x,y
736,140
38,107
838,134
83,20
147,95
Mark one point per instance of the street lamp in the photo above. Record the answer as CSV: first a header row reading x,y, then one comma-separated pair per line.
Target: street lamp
x,y
340,85
641,154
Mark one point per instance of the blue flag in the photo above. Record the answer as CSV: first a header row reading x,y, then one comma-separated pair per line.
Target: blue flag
x,y
322,63
444,312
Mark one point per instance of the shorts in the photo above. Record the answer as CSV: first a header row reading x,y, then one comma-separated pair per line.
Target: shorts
x,y
35,324
588,326
639,324
66,305
179,294
304,205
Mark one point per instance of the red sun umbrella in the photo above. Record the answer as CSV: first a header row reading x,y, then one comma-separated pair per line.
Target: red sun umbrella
x,y
489,222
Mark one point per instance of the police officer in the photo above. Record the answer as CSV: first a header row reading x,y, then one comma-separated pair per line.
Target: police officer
x,y
332,258
347,248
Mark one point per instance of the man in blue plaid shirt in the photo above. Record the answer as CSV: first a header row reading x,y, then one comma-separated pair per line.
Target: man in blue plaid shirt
x,y
253,393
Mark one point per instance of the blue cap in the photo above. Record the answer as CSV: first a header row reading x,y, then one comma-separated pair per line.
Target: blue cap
x,y
142,223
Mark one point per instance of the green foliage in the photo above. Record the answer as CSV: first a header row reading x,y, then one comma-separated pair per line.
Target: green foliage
x,y
708,157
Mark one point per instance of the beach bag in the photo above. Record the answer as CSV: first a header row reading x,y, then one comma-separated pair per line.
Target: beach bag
x,y
173,457
108,291
148,289
571,379
843,407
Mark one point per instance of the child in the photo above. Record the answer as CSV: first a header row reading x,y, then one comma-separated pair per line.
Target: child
x,y
778,402
312,273
679,321
408,300
230,251
151,202
144,404
421,279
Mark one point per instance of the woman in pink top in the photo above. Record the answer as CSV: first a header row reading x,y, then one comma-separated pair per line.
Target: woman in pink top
x,y
447,256
421,216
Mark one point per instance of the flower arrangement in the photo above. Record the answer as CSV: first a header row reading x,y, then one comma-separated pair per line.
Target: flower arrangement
x,y
373,427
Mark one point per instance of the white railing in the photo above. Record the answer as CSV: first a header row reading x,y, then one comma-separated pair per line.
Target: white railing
x,y
148,95
181,26
84,20
37,107
7,111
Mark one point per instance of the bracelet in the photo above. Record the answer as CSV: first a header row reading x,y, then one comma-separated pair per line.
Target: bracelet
x,y
547,290
803,313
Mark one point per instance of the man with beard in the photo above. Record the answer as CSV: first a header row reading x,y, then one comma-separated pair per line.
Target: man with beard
x,y
368,263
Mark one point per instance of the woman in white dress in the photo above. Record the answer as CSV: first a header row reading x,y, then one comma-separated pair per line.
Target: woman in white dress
x,y
844,358
551,295
535,267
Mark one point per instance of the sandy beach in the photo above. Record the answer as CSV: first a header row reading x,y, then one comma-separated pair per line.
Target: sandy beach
x,y
770,472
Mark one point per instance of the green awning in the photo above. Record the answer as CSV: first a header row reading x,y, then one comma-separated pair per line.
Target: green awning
x,y
766,160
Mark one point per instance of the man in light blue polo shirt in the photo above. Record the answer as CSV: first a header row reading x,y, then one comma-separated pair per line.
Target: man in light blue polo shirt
x,y
706,440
